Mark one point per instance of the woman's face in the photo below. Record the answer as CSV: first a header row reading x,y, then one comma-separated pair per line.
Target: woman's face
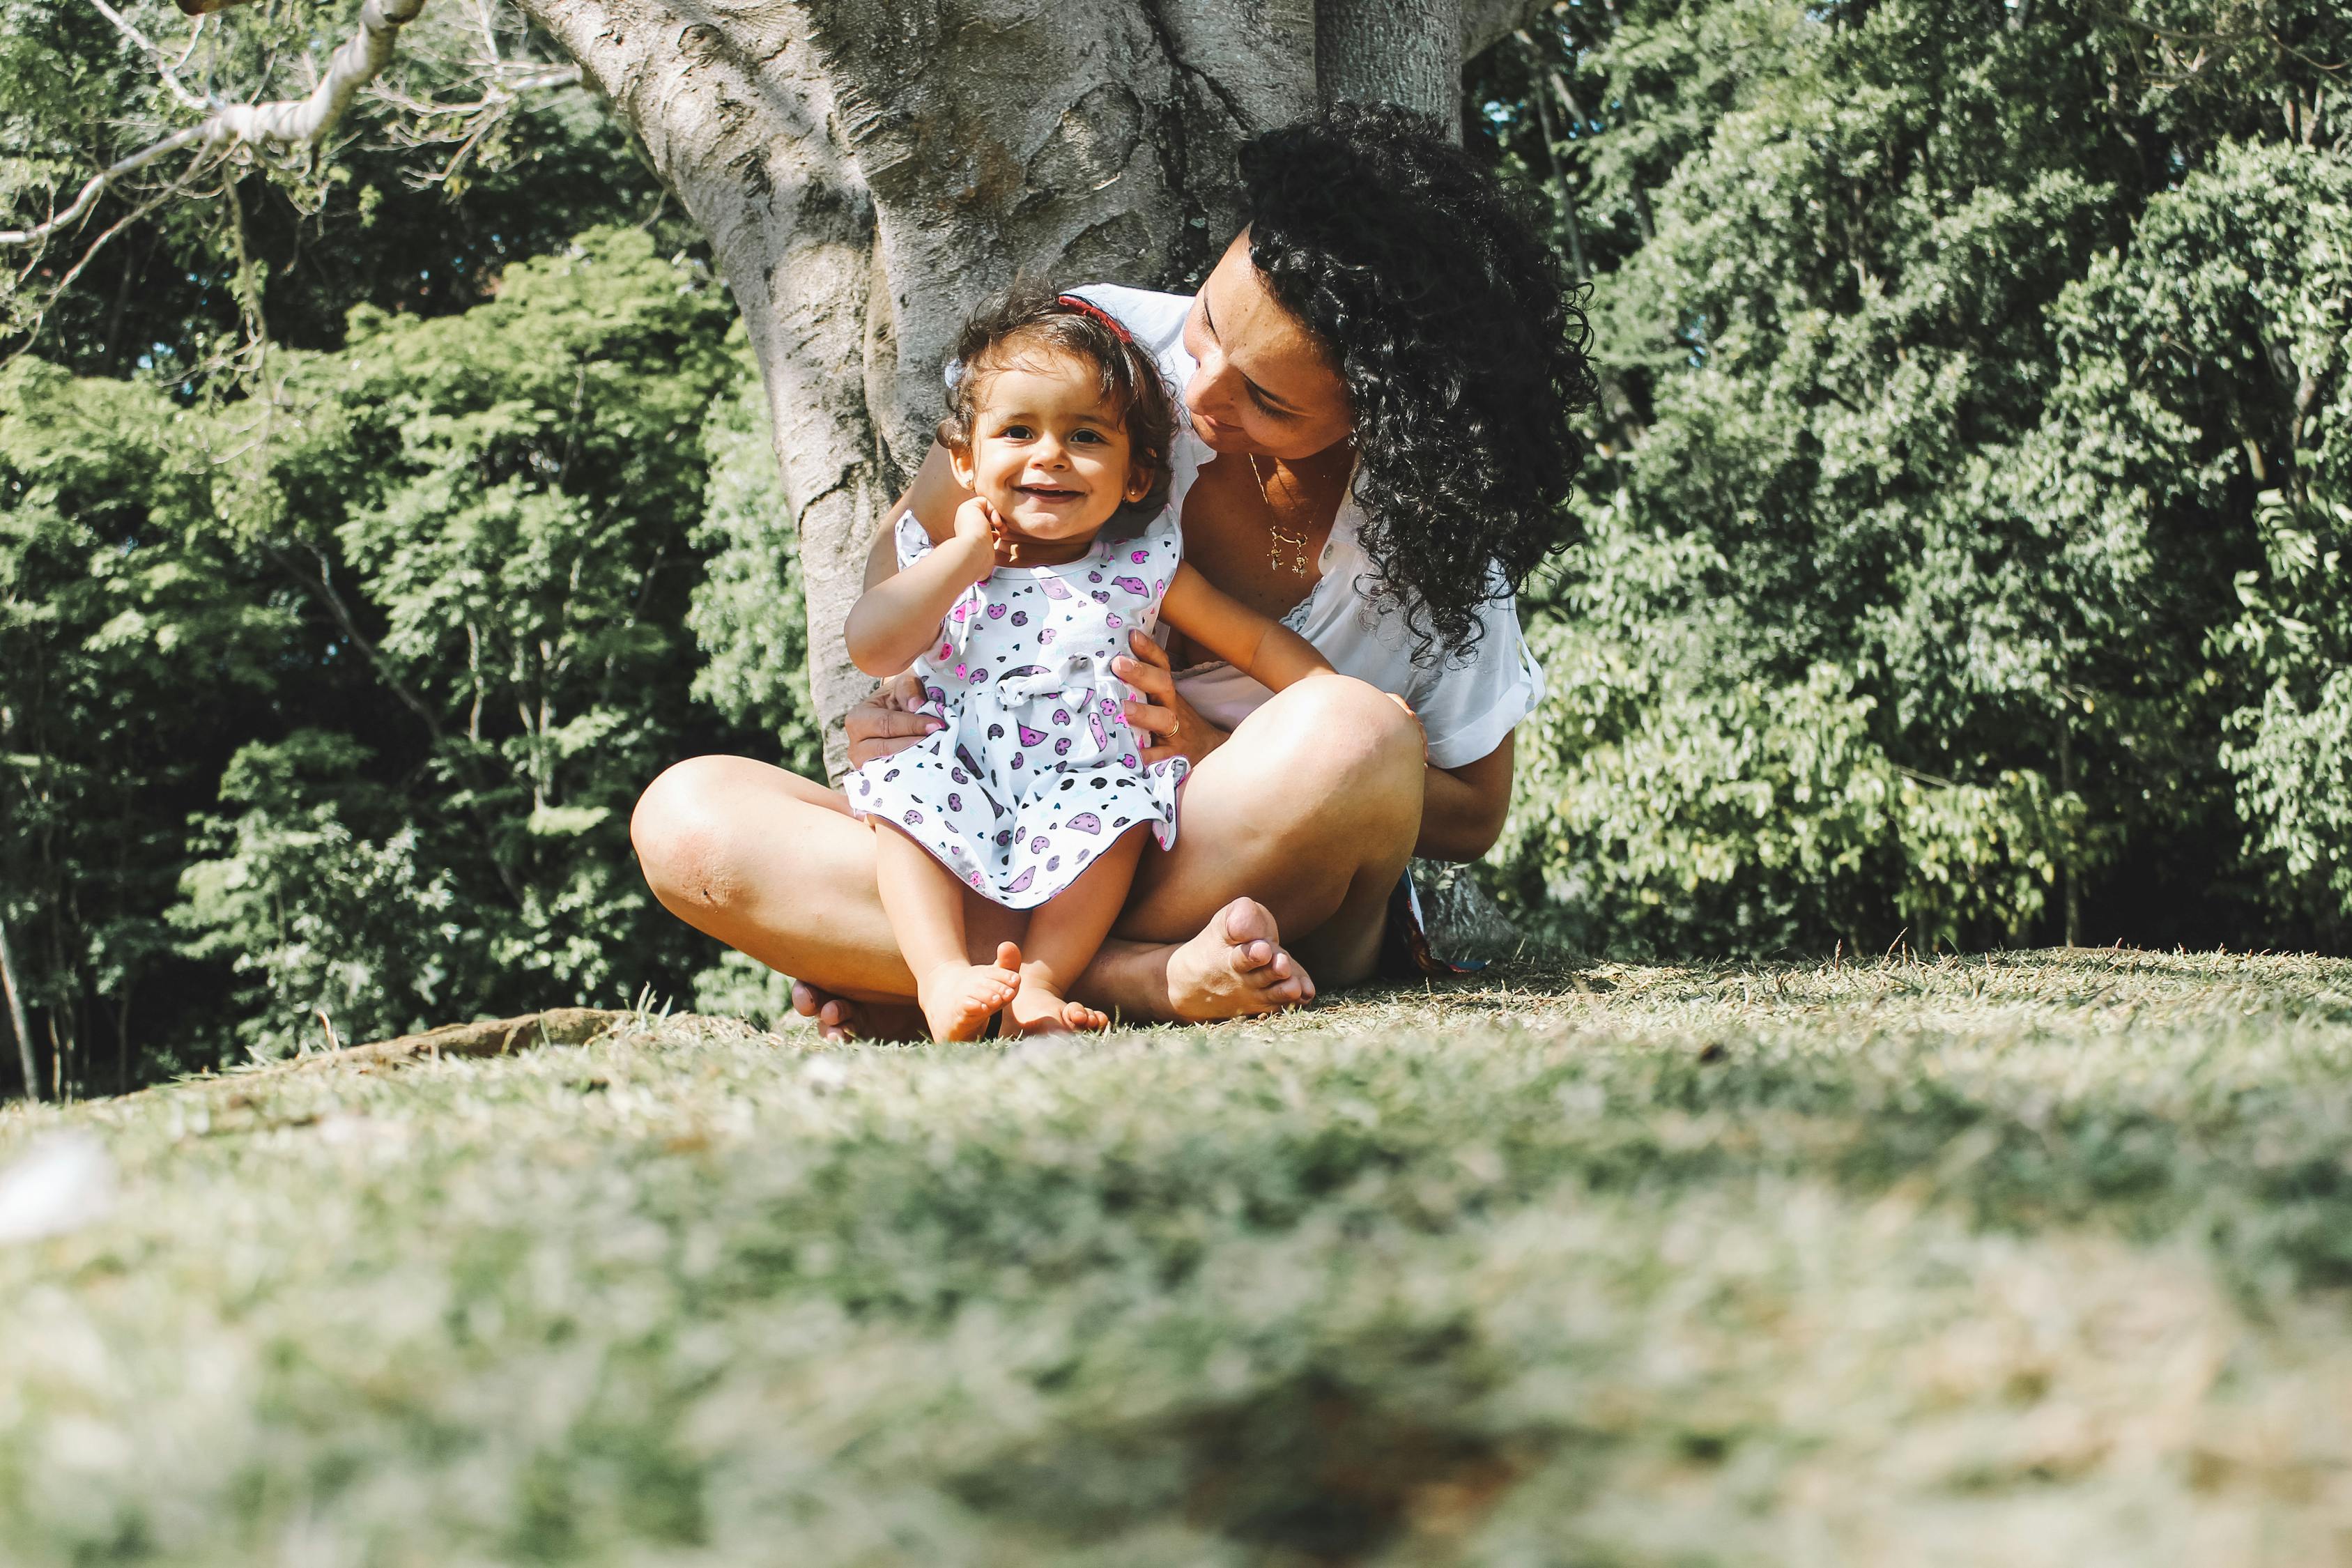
x,y
1264,385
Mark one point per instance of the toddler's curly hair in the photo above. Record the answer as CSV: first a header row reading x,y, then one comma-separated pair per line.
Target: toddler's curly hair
x,y
1031,320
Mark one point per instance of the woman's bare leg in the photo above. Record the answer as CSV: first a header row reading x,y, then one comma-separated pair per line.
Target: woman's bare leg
x,y
774,866
1065,933
925,903
1301,821
1312,806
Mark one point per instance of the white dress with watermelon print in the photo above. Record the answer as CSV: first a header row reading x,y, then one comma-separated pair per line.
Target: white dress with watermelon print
x,y
1037,771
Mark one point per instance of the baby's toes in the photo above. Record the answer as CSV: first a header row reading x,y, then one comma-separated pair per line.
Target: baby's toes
x,y
1079,1016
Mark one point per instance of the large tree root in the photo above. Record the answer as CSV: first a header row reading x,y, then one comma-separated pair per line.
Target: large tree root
x,y
497,1038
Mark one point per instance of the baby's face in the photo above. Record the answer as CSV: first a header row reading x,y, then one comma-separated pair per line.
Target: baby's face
x,y
1048,452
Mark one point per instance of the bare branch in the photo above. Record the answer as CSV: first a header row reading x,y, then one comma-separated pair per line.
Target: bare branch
x,y
155,56
286,122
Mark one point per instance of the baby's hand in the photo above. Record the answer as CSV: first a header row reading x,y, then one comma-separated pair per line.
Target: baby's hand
x,y
979,532
975,524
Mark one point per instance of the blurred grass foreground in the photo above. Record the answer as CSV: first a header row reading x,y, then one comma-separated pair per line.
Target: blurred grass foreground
x,y
2025,1259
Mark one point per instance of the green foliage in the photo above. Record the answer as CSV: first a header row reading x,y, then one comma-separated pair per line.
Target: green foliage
x,y
1659,797
135,642
2207,372
452,566
511,492
1930,582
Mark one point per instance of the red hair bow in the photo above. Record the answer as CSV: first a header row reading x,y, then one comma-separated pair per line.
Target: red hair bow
x,y
1087,307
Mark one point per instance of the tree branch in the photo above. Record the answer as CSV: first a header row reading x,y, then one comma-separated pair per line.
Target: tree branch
x,y
286,122
155,56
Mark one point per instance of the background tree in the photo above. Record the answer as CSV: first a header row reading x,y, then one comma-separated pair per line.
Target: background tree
x,y
1965,556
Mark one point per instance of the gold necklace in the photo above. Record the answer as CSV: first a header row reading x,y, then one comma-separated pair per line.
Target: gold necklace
x,y
1278,537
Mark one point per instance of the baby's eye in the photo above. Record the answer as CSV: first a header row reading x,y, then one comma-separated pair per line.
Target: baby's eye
x,y
1092,435
1015,433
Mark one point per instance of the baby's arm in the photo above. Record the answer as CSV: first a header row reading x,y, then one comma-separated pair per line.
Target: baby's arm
x,y
1259,645
896,618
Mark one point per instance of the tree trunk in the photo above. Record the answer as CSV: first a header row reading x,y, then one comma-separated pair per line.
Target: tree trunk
x,y
1393,51
868,170
16,1001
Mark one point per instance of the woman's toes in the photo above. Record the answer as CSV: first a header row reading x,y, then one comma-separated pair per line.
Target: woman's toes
x,y
1245,922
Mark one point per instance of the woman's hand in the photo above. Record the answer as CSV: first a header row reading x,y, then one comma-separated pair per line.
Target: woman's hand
x,y
887,723
1171,727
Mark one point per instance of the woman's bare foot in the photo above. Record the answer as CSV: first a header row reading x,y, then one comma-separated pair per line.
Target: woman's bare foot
x,y
839,1018
959,999
1236,968
1037,1011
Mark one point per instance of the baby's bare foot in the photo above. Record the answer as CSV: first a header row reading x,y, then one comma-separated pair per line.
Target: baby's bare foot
x,y
959,999
1037,1011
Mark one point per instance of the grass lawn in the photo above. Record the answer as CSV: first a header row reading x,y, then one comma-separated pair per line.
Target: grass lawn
x,y
2040,1259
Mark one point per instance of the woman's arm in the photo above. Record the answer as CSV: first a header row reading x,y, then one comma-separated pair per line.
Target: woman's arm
x,y
1461,809
1255,644
895,620
887,723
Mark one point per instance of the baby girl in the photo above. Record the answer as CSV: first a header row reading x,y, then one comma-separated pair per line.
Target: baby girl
x,y
1034,795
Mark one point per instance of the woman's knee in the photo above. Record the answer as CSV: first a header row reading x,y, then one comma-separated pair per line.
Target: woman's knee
x,y
679,828
1341,749
1346,733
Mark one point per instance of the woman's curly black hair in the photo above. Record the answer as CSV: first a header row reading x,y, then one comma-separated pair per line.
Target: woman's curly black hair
x,y
1462,347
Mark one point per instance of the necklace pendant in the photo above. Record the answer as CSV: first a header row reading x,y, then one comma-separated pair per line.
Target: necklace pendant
x,y
1278,537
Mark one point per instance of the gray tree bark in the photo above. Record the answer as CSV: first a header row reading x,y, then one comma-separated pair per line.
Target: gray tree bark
x,y
16,1018
868,170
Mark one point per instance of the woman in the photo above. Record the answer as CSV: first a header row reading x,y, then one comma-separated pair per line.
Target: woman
x,y
1379,374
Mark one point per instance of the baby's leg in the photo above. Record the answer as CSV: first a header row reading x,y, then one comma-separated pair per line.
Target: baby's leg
x,y
1064,932
925,903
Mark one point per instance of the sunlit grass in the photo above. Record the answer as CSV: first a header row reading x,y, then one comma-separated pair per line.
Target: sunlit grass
x,y
2036,1260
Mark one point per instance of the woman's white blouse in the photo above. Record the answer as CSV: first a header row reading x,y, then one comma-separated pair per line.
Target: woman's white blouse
x,y
1467,704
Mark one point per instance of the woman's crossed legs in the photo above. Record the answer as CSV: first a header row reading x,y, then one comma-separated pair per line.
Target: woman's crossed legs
x,y
1301,821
